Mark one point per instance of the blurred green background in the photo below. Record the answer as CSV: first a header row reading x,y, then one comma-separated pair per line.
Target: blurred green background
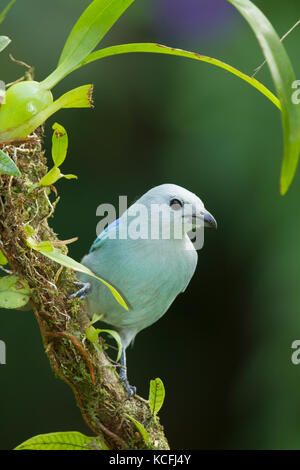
x,y
224,348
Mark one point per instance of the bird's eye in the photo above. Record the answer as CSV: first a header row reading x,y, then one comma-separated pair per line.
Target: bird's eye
x,y
176,204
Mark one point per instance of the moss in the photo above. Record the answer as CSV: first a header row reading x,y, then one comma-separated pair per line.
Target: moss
x,y
93,379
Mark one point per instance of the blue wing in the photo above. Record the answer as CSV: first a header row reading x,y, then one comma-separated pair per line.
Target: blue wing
x,y
103,234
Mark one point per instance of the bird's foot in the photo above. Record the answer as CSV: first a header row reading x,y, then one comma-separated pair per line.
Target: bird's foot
x,y
85,288
130,389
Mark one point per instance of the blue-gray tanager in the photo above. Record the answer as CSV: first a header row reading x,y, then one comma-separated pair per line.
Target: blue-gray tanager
x,y
149,269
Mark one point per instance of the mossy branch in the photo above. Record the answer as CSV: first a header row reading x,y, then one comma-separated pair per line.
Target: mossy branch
x,y
63,322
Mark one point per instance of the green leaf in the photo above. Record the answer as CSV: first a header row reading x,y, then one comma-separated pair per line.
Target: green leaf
x,y
41,247
3,259
283,77
59,144
69,177
4,41
161,49
6,10
91,27
116,337
54,175
14,292
88,31
139,427
80,97
92,334
51,177
96,318
64,260
71,440
7,166
156,395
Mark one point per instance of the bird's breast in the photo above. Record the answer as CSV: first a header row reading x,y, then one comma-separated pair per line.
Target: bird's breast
x,y
148,275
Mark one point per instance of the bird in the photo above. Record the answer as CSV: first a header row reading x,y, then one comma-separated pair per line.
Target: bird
x,y
149,266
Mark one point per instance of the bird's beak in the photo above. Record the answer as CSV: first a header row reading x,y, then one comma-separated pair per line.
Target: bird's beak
x,y
209,220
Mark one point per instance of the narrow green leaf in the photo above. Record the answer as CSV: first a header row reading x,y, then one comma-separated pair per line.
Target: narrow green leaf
x,y
7,166
3,259
41,247
54,175
88,31
64,260
161,49
80,97
4,41
156,395
283,76
69,177
59,144
51,177
14,292
71,440
116,337
91,27
6,10
139,427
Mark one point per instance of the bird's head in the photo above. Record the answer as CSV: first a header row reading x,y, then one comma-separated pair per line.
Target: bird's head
x,y
176,208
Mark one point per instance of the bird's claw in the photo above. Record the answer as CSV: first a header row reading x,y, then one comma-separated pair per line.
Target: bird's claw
x,y
85,288
130,389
